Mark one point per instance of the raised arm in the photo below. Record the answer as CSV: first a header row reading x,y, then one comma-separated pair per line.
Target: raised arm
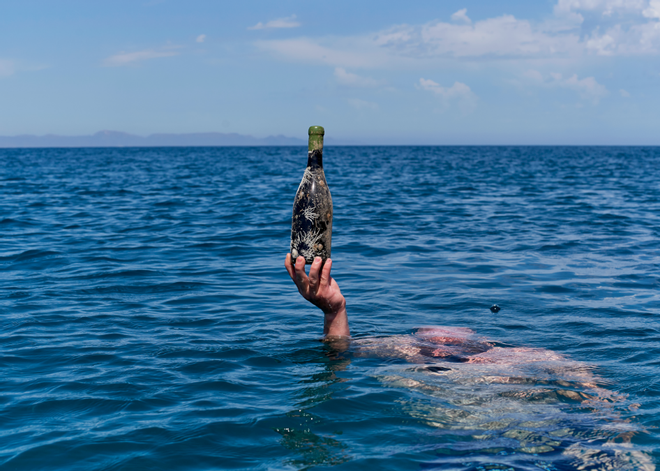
x,y
320,289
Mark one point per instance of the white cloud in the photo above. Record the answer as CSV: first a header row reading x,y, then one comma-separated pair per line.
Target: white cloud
x,y
605,7
566,36
7,68
624,93
343,52
637,33
201,38
641,39
457,93
502,36
126,58
605,44
362,104
534,75
353,80
461,15
588,88
288,22
653,10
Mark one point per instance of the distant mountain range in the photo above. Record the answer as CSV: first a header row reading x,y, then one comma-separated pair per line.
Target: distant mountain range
x,y
122,139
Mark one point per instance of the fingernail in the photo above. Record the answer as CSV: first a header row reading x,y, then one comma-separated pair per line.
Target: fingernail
x,y
317,259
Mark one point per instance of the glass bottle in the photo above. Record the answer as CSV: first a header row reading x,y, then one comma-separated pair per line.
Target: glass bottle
x,y
311,225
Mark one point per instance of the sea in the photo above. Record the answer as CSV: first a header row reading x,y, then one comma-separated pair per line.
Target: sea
x,y
148,322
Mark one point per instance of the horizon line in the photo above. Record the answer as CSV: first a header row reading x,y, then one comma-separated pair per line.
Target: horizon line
x,y
121,139
325,145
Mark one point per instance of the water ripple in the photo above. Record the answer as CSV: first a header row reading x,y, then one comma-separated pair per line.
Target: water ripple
x,y
148,322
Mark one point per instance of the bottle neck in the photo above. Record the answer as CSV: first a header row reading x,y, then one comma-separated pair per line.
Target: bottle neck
x,y
315,147
315,158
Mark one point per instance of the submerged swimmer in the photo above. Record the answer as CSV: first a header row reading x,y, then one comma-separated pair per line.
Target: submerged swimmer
x,y
428,345
504,403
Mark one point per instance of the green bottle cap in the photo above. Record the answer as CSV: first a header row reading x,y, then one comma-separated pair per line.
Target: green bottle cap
x,y
316,138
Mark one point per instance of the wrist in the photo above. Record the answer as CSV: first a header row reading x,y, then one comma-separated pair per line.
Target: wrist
x,y
333,309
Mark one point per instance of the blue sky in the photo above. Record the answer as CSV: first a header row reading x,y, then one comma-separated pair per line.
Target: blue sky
x,y
382,72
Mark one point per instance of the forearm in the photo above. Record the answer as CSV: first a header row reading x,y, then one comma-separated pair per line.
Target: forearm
x,y
335,322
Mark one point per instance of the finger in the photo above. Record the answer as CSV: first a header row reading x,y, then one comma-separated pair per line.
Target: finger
x,y
301,277
289,267
314,274
325,274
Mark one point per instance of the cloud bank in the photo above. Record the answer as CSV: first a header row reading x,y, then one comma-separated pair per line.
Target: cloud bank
x,y
618,27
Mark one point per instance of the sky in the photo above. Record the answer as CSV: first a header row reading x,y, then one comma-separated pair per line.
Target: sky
x,y
372,72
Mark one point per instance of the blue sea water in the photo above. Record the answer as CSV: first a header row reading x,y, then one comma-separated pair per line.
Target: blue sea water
x,y
148,322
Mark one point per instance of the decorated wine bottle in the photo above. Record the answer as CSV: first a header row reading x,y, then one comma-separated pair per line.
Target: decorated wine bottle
x,y
311,225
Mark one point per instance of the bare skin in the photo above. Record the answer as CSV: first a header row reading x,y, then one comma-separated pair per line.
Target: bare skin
x,y
455,347
320,289
428,344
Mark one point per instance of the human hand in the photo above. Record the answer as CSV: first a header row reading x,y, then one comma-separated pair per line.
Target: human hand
x,y
320,289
